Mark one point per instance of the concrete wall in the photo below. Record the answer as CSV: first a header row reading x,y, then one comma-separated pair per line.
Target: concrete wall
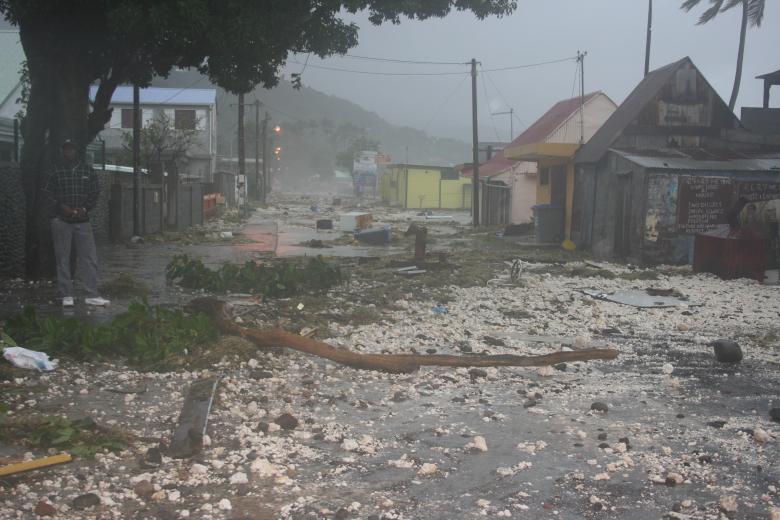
x,y
595,112
419,187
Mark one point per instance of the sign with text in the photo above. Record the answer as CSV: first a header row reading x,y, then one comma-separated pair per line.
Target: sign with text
x,y
702,202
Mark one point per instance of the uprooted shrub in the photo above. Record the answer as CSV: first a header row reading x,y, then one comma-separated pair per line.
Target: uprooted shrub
x,y
145,335
280,279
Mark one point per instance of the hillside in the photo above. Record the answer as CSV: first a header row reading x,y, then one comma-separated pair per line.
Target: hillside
x,y
316,126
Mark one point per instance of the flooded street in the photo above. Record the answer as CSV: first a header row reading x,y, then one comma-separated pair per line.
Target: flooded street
x,y
663,431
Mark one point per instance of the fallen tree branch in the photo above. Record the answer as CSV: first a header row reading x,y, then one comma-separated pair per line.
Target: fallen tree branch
x,y
393,363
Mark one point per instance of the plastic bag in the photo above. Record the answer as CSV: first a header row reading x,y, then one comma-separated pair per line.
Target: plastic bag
x,y
30,359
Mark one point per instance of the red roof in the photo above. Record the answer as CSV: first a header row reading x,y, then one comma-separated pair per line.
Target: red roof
x,y
552,119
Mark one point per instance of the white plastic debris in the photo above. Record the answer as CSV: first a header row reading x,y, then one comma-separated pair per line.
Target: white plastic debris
x,y
21,357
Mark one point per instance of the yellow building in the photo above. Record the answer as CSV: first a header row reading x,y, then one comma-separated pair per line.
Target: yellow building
x,y
424,187
552,141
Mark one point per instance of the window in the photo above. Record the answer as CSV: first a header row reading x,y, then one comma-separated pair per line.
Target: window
x,y
449,174
544,176
127,118
184,119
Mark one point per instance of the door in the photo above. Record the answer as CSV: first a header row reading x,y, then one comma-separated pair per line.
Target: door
x,y
623,216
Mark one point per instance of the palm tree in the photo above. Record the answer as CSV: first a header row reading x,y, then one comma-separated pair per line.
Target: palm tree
x,y
752,12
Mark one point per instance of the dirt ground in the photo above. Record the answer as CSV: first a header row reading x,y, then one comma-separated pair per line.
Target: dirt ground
x,y
663,431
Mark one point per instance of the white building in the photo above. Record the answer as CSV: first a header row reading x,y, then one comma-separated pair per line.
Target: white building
x,y
186,108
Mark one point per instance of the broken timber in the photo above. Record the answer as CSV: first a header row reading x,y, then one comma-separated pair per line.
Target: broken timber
x,y
188,436
393,363
12,469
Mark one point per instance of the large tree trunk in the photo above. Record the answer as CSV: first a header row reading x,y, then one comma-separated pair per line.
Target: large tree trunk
x,y
740,56
58,108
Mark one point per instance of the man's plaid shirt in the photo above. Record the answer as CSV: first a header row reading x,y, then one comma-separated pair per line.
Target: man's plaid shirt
x,y
76,187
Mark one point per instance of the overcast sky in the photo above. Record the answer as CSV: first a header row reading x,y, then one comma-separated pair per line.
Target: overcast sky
x,y
611,31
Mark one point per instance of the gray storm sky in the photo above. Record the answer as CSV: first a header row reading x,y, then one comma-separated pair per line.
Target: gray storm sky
x,y
611,31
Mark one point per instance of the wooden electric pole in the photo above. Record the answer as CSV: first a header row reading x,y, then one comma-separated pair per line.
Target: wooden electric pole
x,y
258,187
242,147
475,144
136,160
649,36
266,183
581,60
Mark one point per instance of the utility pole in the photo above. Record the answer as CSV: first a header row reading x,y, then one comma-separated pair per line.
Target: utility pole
x,y
581,61
264,138
136,160
242,146
649,35
258,189
475,144
511,114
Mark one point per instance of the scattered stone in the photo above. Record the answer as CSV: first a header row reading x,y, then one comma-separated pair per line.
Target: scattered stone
x,y
225,505
44,508
239,478
86,501
494,342
728,504
262,426
774,513
561,367
530,403
598,406
261,374
717,424
430,351
667,368
477,373
144,489
152,459
287,421
341,514
400,397
477,445
602,436
761,436
427,469
683,327
727,351
774,414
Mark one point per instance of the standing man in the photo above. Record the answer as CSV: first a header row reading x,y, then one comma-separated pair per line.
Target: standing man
x,y
73,191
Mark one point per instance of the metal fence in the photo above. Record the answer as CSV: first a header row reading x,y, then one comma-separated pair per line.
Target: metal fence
x,y
495,204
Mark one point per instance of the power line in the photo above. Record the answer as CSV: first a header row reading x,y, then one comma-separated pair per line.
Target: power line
x,y
374,73
503,98
530,65
487,105
396,60
446,100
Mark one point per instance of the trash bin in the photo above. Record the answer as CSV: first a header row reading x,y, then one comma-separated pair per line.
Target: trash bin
x,y
548,223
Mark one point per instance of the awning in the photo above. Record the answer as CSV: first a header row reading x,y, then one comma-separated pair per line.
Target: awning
x,y
541,151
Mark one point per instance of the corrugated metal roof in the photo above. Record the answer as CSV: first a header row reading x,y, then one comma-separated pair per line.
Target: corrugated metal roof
x,y
11,58
752,164
551,120
771,76
163,96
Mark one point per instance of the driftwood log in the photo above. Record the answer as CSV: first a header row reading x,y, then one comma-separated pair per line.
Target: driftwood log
x,y
392,363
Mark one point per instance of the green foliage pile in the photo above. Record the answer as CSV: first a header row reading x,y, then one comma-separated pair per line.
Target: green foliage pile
x,y
80,437
144,335
282,279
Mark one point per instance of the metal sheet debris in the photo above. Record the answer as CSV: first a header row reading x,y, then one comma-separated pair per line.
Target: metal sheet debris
x,y
193,420
643,299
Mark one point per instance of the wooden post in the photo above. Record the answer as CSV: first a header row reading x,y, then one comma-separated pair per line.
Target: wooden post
x,y
420,239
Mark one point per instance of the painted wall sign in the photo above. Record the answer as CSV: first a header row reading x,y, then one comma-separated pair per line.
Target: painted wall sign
x,y
703,202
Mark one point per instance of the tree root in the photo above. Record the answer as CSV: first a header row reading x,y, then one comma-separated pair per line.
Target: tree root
x,y
392,363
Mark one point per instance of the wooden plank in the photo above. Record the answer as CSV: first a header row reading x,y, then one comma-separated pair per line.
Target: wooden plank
x,y
188,436
29,465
